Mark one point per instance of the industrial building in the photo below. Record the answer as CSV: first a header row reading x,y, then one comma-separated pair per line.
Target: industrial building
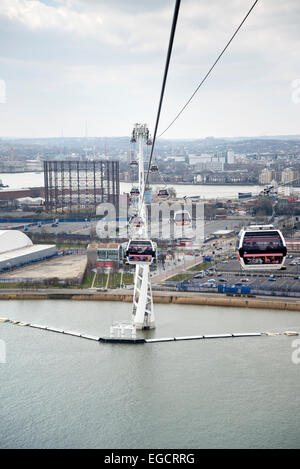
x,y
9,197
106,255
17,250
76,186
224,234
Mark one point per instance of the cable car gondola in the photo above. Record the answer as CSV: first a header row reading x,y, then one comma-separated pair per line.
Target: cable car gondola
x,y
133,164
135,192
133,138
163,194
261,247
140,251
154,168
185,242
182,218
136,221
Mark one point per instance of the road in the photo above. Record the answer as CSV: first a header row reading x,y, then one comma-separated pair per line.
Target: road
x,y
157,230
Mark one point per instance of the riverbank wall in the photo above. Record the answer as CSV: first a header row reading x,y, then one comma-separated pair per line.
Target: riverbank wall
x,y
284,304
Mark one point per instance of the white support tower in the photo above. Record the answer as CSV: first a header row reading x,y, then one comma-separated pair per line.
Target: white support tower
x,y
142,311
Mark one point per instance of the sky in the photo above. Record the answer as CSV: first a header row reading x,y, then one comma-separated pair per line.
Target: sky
x,y
71,67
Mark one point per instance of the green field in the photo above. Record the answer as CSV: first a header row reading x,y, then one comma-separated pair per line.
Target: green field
x,y
179,277
189,272
101,280
199,267
115,279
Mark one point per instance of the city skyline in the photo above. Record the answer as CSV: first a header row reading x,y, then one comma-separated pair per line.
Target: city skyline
x,y
77,68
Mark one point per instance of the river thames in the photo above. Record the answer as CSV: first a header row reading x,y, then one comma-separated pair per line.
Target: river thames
x,y
60,391
23,180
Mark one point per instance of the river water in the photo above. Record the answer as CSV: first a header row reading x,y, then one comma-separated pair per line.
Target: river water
x,y
22,180
59,391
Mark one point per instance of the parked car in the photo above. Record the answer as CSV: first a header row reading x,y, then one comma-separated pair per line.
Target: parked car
x,y
201,275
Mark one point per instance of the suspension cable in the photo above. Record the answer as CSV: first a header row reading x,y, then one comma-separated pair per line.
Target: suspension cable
x,y
210,70
169,53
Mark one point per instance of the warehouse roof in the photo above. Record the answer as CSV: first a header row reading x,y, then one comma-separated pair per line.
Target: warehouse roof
x,y
223,232
13,239
26,251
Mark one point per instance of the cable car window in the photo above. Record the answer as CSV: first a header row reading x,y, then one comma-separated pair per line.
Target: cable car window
x,y
256,242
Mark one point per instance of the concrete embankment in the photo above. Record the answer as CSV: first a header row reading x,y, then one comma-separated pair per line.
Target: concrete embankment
x,y
239,303
288,304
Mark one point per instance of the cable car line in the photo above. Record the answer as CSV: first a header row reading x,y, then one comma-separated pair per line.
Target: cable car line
x,y
169,53
211,69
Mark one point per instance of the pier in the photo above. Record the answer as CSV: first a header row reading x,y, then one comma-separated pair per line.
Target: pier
x,y
141,340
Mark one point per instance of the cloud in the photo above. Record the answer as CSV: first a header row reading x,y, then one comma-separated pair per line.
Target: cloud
x,y
105,59
103,24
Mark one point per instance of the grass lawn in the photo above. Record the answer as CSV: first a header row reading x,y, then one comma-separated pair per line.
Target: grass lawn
x,y
128,279
179,277
9,285
88,280
114,280
101,279
199,267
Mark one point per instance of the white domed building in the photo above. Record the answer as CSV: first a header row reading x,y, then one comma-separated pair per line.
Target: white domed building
x,y
17,250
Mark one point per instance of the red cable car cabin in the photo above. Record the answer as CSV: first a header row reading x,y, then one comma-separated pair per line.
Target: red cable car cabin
x,y
261,247
140,251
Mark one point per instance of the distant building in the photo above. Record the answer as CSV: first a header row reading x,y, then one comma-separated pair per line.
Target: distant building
x,y
266,176
178,158
31,202
230,157
203,158
287,175
213,165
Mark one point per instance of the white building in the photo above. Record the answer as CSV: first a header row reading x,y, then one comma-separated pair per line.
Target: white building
x,y
230,157
287,175
266,176
17,250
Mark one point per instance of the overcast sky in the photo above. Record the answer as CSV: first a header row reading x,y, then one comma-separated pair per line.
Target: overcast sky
x,y
68,62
